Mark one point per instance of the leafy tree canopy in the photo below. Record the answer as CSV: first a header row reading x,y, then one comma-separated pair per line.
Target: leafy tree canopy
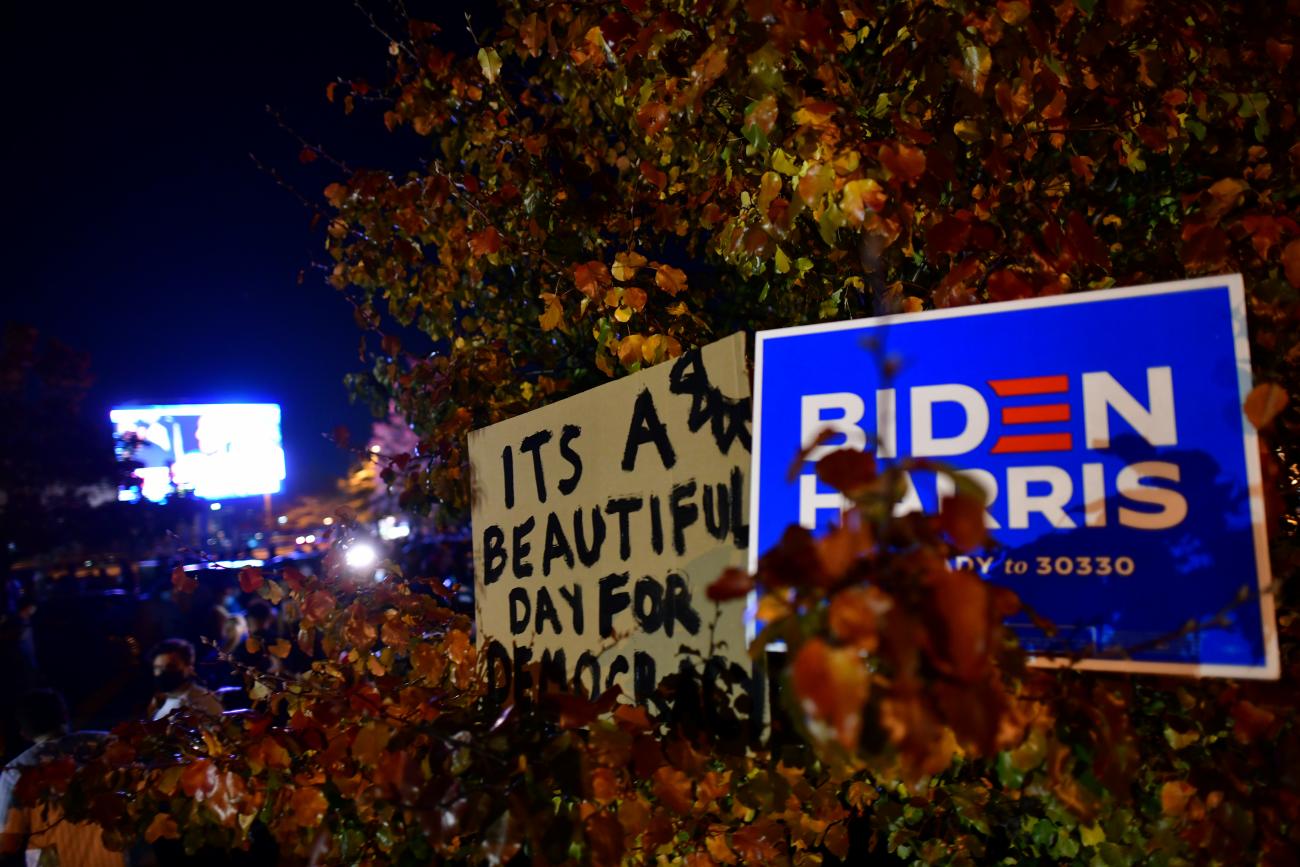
x,y
610,184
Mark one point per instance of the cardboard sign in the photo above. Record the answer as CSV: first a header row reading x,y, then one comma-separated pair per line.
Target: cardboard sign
x,y
1107,431
599,522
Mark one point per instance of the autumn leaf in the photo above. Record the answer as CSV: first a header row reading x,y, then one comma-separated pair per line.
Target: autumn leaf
x,y
860,196
1174,796
1263,404
832,685
853,616
605,836
198,778
592,279
849,471
673,789
903,161
490,63
163,827
318,606
533,33
961,517
1291,263
652,117
733,583
671,280
553,316
626,265
486,242
307,806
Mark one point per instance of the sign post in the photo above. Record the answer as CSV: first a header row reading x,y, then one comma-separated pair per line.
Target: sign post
x,y
599,522
1107,431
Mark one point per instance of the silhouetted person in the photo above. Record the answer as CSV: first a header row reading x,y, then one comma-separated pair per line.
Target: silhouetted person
x,y
43,718
175,683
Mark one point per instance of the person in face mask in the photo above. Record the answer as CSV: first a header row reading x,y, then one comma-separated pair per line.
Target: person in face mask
x,y
174,682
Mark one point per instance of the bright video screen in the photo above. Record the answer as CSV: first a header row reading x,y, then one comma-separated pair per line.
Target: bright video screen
x,y
215,451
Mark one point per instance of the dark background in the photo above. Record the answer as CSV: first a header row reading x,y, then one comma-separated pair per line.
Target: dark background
x,y
137,228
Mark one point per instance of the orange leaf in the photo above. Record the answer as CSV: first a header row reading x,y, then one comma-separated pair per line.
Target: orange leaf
x,y
671,280
162,827
1250,721
903,161
199,778
282,648
626,265
1174,796
553,316
652,117
634,297
673,789
853,614
1224,196
592,278
308,806
1291,262
832,684
1263,404
605,837
318,606
459,647
486,242
604,785
860,196
1007,285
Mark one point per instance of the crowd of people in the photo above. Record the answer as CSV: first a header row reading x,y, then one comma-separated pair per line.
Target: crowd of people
x,y
76,660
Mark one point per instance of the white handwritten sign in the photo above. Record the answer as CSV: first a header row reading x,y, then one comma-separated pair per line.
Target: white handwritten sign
x,y
600,520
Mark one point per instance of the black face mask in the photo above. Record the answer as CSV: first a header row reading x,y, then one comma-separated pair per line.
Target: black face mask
x,y
170,681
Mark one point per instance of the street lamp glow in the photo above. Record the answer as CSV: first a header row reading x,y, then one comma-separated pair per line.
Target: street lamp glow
x,y
360,556
216,507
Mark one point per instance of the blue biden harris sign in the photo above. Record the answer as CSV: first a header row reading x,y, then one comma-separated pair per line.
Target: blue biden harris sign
x,y
1106,429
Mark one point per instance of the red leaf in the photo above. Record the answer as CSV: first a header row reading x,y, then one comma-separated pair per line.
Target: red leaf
x,y
962,518
605,838
947,236
1085,242
1291,262
903,161
1007,285
731,584
652,117
847,470
673,789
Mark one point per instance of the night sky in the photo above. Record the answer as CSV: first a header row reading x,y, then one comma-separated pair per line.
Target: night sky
x,y
138,229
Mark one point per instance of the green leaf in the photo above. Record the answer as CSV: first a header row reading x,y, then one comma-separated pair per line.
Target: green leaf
x,y
490,61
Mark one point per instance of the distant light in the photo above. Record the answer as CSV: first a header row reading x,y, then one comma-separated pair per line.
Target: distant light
x,y
216,507
390,529
361,556
311,539
301,540
222,564
90,563
283,519
374,450
328,522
